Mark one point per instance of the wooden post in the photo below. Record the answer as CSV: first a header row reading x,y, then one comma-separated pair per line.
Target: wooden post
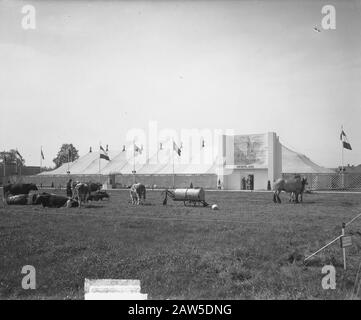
x,y
343,248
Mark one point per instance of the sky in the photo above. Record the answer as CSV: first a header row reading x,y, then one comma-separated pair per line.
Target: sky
x,y
93,70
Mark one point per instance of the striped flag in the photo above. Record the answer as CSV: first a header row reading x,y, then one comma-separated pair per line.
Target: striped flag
x,y
176,149
103,155
345,143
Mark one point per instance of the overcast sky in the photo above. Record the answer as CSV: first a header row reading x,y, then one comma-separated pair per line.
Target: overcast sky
x,y
91,71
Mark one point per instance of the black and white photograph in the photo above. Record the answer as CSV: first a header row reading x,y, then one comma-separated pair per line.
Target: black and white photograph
x,y
192,152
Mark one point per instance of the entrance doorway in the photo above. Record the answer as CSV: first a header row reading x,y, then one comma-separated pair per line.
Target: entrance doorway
x,y
250,182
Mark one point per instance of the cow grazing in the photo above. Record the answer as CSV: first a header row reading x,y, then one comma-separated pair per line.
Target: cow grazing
x,y
51,200
18,188
295,185
137,192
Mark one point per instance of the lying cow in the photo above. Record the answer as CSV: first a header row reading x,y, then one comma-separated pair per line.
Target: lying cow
x,y
137,192
19,199
94,186
51,200
98,195
18,188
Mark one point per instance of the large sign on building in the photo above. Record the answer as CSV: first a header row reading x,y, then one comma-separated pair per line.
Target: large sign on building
x,y
251,150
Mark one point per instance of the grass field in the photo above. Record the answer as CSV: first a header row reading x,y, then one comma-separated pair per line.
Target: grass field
x,y
250,249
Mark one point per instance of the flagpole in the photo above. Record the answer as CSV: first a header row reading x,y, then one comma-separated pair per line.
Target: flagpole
x,y
133,161
342,163
68,160
41,157
17,166
173,163
99,163
342,151
41,162
4,162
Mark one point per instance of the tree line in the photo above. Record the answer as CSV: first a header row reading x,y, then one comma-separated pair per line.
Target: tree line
x,y
66,153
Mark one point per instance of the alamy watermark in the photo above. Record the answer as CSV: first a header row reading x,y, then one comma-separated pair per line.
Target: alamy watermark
x,y
186,146
329,20
329,280
28,21
29,280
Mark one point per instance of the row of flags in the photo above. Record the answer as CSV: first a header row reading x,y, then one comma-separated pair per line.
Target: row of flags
x,y
138,150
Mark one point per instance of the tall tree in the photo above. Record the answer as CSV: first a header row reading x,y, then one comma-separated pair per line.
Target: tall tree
x,y
12,157
66,153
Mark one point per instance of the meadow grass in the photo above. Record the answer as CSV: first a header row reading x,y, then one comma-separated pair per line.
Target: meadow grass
x,y
250,249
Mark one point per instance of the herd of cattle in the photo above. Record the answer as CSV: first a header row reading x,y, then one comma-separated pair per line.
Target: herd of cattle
x,y
78,192
18,194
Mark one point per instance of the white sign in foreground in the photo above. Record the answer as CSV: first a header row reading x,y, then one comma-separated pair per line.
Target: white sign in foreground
x,y
113,289
346,241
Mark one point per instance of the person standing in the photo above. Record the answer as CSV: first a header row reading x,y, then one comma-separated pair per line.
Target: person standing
x,y
69,191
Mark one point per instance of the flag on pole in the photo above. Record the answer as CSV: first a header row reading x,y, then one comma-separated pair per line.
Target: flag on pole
x,y
137,149
176,149
42,153
104,154
345,143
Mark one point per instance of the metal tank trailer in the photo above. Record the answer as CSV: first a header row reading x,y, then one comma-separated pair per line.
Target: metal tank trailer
x,y
190,197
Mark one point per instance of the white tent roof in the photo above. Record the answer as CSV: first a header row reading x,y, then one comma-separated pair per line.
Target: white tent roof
x,y
294,162
161,162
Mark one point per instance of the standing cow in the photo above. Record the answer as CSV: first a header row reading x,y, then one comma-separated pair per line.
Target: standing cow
x,y
294,185
293,195
81,192
137,192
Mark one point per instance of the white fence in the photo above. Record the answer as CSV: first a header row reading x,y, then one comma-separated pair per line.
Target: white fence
x,y
331,181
